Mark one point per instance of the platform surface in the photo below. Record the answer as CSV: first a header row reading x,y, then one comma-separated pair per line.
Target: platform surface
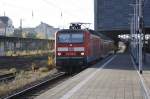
x,y
112,78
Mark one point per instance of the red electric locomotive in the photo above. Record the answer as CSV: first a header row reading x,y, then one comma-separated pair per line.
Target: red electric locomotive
x,y
75,48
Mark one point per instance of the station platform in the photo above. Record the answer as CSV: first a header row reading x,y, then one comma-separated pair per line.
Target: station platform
x,y
115,77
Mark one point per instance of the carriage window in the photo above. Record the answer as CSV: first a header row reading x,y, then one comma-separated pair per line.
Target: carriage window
x,y
64,38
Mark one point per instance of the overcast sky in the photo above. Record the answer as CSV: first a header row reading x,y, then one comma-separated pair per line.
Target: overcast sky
x,y
57,13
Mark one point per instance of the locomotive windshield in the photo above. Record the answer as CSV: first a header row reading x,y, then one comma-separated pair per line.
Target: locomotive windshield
x,y
70,38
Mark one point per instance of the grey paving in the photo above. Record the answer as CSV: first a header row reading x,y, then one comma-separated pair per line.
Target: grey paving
x,y
117,80
146,72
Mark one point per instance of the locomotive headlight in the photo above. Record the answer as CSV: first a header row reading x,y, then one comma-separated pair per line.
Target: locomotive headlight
x,y
59,53
82,53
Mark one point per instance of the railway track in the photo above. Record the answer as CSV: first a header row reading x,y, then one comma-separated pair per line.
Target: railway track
x,y
34,90
7,77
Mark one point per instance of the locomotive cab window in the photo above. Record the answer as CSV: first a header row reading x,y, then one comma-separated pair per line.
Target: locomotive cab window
x,y
70,38
64,38
77,38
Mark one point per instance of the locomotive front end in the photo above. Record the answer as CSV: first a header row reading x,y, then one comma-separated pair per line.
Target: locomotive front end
x,y
70,50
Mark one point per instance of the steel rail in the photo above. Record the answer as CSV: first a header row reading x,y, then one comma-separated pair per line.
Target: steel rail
x,y
6,77
52,77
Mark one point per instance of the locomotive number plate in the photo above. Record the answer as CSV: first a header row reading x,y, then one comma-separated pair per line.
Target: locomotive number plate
x,y
70,54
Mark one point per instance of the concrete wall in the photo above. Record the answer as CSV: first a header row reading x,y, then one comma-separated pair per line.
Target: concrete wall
x,y
116,14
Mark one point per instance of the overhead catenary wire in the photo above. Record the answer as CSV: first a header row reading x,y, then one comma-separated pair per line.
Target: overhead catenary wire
x,y
64,13
10,5
18,7
61,9
69,14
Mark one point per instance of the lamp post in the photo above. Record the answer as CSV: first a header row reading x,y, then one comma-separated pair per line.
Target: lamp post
x,y
21,27
140,21
137,34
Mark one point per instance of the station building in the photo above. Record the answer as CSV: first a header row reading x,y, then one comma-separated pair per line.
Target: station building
x,y
113,16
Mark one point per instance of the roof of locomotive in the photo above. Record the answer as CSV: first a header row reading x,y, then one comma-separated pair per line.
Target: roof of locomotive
x,y
71,30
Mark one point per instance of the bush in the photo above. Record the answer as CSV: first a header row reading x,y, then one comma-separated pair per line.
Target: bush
x,y
43,69
13,70
34,67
